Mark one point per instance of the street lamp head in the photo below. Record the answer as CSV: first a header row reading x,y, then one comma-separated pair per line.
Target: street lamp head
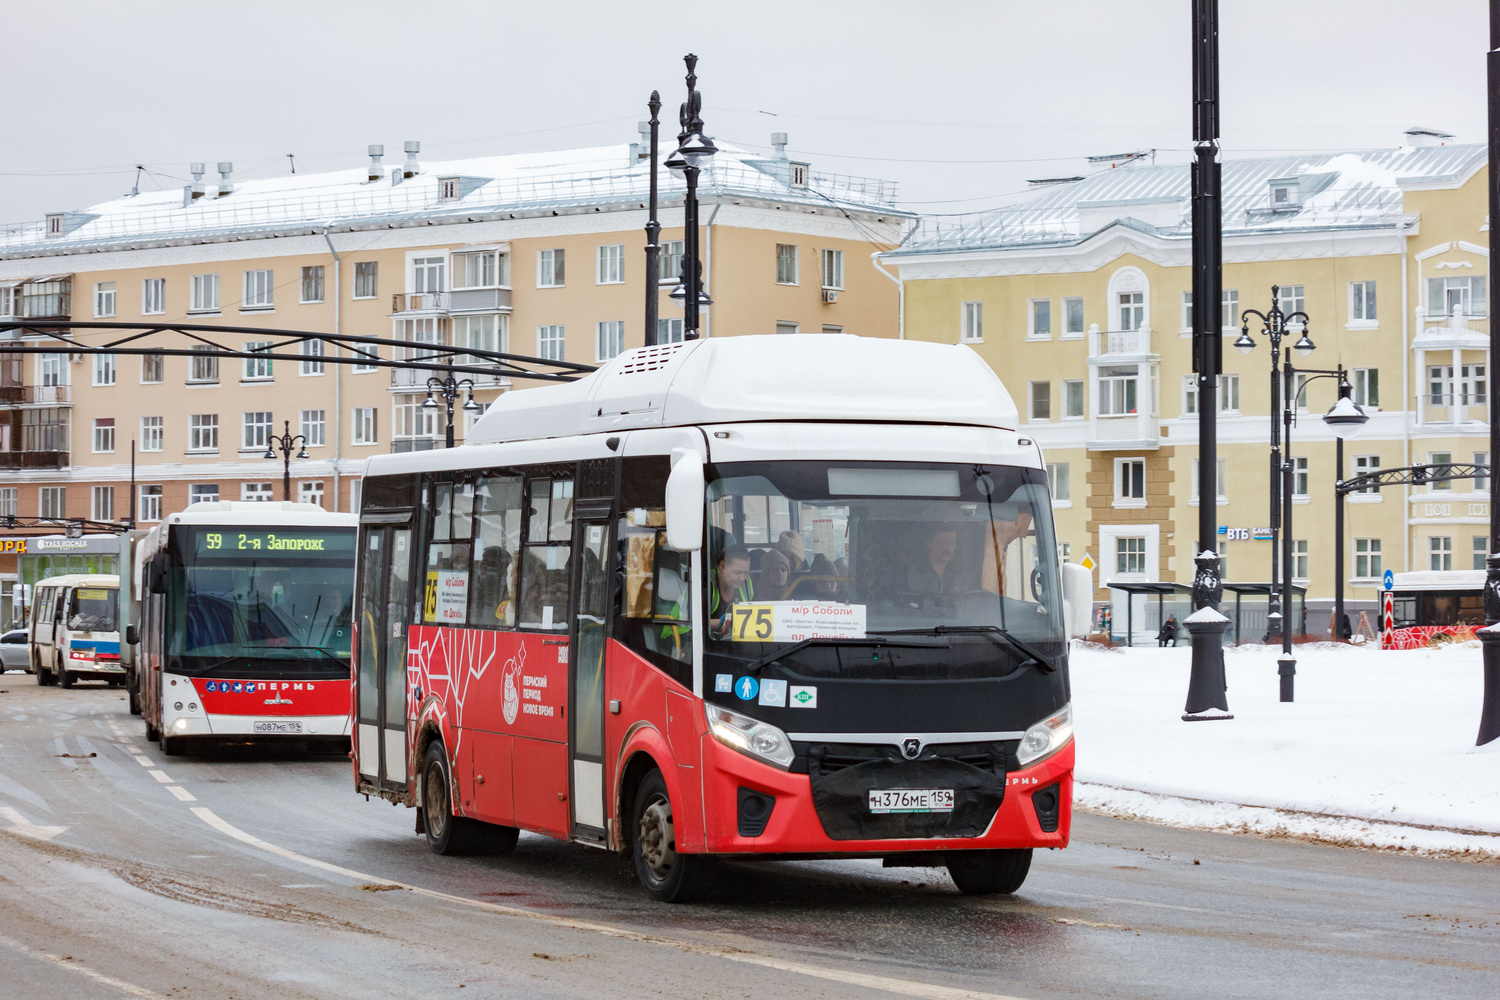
x,y
1244,344
1304,346
1346,419
469,404
429,403
677,163
303,452
678,294
697,150
270,453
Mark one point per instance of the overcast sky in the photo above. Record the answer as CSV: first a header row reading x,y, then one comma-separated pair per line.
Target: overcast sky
x,y
960,102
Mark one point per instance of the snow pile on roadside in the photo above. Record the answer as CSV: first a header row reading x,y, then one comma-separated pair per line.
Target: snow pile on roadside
x,y
1377,749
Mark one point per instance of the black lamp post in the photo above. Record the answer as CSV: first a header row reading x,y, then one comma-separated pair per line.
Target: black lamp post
x,y
284,443
449,387
1489,636
694,151
1275,325
653,233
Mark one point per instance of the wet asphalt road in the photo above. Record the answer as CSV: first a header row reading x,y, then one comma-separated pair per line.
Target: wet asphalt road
x,y
249,872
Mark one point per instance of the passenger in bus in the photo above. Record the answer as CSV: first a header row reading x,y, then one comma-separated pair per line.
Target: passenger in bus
x,y
821,583
774,572
936,571
731,584
493,586
790,544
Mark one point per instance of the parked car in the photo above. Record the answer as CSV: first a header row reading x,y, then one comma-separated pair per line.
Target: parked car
x,y
15,654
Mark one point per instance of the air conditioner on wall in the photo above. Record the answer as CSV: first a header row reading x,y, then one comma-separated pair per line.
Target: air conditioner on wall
x,y
74,358
830,295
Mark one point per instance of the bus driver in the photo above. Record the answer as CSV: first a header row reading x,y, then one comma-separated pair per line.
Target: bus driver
x,y
731,585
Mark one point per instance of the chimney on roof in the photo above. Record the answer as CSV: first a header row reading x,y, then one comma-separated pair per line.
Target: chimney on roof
x,y
411,167
197,170
778,143
1420,136
376,171
226,185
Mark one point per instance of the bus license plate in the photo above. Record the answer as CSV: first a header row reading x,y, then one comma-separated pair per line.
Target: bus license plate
x,y
911,800
280,728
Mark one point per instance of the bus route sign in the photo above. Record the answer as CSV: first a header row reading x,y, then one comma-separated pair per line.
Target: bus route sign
x,y
794,621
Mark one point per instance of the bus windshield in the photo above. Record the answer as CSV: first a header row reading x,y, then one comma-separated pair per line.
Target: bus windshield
x,y
92,609
904,569
261,599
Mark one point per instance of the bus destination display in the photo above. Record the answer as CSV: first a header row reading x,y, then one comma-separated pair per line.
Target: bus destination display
x,y
287,543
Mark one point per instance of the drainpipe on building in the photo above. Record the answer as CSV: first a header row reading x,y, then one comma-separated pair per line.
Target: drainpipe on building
x,y
338,371
1406,399
900,295
708,263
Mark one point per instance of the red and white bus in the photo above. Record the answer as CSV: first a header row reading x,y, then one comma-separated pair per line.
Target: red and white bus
x,y
244,627
1425,604
751,597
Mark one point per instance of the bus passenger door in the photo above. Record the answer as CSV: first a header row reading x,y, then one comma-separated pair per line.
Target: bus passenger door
x,y
589,627
385,606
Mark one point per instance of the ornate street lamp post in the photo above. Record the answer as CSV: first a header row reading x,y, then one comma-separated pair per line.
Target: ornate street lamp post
x,y
284,443
694,151
1489,712
449,388
653,233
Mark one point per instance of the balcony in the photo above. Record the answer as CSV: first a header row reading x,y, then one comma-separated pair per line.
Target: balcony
x,y
36,395
419,302
415,379
1119,343
33,460
401,446
480,300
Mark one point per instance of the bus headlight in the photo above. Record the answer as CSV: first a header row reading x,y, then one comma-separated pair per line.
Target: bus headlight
x,y
1046,737
750,736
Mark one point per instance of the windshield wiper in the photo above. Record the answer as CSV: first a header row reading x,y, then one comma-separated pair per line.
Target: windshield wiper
x,y
873,640
995,631
322,649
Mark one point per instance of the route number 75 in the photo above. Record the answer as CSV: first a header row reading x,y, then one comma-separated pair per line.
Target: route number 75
x,y
752,623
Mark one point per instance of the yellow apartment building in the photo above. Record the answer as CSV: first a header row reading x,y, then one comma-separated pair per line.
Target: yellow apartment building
x,y
537,254
1080,297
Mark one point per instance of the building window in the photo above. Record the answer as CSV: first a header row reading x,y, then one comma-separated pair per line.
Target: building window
x,y
52,501
549,342
1481,549
363,426
1058,481
1072,317
447,189
258,369
1445,296
1041,400
153,296
612,264
104,299
1187,310
356,493
257,430
9,501
549,268
310,492
1073,397
831,328
1367,563
260,287
1229,394
1117,391
205,368
1130,554
1299,559
1189,394
1229,299
669,331
149,506
203,432
312,283
971,330
489,332
312,425
1367,387
102,503
104,369
257,491
1040,319
312,349
1221,480
833,269
152,433
205,293
1130,479
366,279
1223,560
1299,478
50,370
427,275
610,339
153,368
1362,302
1289,299
480,269
1440,553
368,351
414,427
1132,310
669,260
1441,459
1482,460
785,326
203,493
104,435
1364,465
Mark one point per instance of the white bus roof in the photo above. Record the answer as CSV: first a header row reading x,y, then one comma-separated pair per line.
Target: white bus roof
x,y
801,377
1454,579
81,580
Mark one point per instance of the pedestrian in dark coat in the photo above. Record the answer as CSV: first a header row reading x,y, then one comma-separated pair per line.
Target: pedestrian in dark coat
x,y
1168,634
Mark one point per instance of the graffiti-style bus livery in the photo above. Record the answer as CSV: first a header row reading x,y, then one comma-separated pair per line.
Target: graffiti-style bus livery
x,y
1426,604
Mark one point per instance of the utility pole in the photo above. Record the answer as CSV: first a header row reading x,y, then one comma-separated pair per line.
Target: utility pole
x,y
653,233
1206,698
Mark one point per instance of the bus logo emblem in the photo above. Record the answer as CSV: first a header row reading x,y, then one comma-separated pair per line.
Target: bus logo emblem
x,y
910,747
278,700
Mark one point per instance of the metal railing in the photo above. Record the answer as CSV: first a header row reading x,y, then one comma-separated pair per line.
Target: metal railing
x,y
33,459
1105,342
44,395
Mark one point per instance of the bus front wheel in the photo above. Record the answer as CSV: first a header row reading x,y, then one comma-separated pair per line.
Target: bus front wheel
x,y
44,677
447,834
667,876
63,677
988,873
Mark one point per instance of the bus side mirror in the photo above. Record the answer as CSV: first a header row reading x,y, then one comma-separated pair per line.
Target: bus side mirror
x,y
1078,599
684,502
131,637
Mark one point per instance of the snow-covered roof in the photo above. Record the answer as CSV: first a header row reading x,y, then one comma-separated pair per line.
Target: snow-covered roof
x,y
802,377
490,187
1352,190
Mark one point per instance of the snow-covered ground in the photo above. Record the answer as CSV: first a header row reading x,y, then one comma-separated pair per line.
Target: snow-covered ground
x,y
1378,749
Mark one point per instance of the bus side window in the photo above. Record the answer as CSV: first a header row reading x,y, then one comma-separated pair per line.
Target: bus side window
x,y
445,598
545,577
497,539
655,617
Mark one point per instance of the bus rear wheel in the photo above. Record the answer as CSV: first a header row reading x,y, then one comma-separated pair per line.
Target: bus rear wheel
x,y
134,699
448,834
988,873
667,876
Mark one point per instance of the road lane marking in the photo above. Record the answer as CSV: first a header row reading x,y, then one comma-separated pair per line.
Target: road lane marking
x,y
20,824
144,761
129,989
182,794
162,777
903,987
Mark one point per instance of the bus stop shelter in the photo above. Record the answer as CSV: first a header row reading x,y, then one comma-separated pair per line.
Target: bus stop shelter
x,y
1156,601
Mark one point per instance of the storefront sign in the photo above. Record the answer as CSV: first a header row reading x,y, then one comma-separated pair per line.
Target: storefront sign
x,y
12,546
